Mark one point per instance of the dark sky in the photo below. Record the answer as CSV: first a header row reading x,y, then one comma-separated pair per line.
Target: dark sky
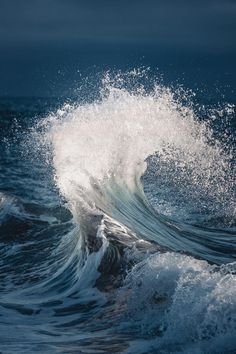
x,y
44,43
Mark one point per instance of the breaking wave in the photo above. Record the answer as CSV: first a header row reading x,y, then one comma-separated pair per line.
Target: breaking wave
x,y
144,260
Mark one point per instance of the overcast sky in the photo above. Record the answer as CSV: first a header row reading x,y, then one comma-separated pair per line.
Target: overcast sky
x,y
37,34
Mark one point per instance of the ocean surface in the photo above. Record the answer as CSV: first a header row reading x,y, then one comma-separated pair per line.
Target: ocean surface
x,y
118,220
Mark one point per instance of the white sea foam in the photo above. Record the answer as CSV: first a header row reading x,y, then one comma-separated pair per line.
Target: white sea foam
x,y
112,136
184,304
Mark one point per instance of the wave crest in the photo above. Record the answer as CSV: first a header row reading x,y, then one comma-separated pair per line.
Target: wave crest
x,y
104,149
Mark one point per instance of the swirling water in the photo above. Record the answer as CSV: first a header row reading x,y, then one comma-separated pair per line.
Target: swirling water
x,y
118,224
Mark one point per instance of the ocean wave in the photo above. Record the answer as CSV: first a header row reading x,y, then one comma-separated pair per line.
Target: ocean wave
x,y
110,155
144,260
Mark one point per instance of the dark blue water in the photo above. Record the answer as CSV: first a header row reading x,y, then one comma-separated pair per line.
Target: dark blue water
x,y
117,220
